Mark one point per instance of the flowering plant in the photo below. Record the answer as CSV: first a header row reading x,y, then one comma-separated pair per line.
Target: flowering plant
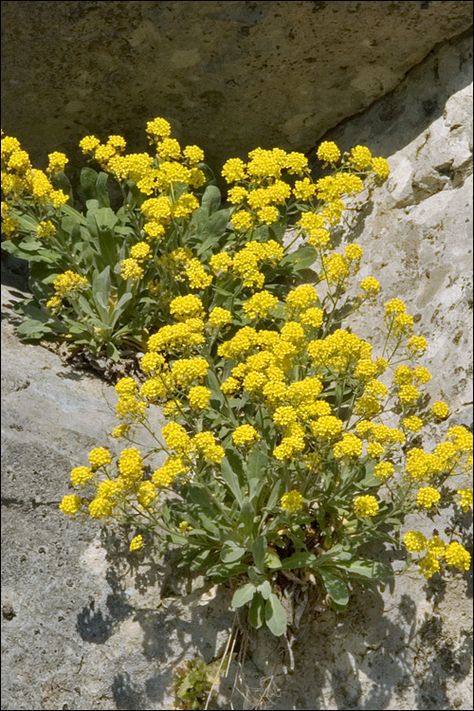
x,y
291,448
99,260
106,262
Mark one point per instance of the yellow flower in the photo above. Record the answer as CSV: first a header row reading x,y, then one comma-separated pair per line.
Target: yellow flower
x,y
56,162
88,144
360,157
457,556
427,497
70,504
45,229
292,501
417,344
141,250
380,167
440,409
184,307
233,170
395,306
158,128
465,496
220,262
193,154
415,541
245,435
126,386
268,215
408,394
349,446
80,476
219,317
100,508
136,543
259,305
413,423
370,285
130,269
146,494
327,427
99,457
429,565
384,470
242,220
366,506
328,152
199,397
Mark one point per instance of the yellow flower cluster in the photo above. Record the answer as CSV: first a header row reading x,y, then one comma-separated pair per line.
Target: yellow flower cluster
x,y
340,351
292,501
99,457
245,435
366,506
260,305
184,307
199,397
219,317
435,550
247,262
80,476
302,397
427,497
131,269
65,286
349,446
465,499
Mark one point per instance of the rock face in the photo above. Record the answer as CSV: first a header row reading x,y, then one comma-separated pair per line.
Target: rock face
x,y
417,230
229,75
79,633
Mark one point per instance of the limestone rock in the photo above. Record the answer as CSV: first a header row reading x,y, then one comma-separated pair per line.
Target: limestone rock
x,y
229,75
416,231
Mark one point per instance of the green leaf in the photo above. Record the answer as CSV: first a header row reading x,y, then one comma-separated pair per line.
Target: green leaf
x,y
371,569
336,588
101,290
274,495
336,553
243,595
105,218
265,589
300,259
272,560
213,384
120,306
275,616
298,560
88,180
223,571
231,552
257,612
258,549
198,560
232,480
255,472
247,517
30,328
62,182
101,190
211,199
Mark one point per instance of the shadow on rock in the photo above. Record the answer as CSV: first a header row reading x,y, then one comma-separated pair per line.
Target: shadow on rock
x,y
126,694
